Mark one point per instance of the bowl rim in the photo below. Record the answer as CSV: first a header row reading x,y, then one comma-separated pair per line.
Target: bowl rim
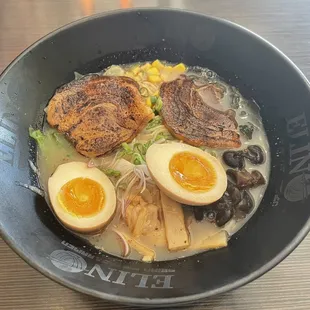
x,y
170,300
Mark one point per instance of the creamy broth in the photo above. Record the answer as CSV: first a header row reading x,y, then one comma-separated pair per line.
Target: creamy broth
x,y
107,241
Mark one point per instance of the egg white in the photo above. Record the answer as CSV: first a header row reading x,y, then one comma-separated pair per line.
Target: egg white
x,y
158,158
69,171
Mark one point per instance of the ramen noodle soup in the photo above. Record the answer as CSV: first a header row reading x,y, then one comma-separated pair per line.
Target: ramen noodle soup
x,y
152,161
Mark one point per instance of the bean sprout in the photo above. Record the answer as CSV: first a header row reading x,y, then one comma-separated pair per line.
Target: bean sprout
x,y
30,187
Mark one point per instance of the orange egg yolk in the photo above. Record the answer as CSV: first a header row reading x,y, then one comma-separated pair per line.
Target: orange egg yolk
x,y
192,172
82,197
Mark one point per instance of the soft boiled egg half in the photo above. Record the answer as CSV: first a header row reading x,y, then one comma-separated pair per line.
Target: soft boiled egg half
x,y
186,174
82,198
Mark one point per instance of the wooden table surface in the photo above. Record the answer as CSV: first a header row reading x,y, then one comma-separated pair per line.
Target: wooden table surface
x,y
285,23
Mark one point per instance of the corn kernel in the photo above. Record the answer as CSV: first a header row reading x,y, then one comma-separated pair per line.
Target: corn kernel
x,y
168,68
152,71
141,76
179,67
148,101
135,70
146,66
157,64
137,78
154,79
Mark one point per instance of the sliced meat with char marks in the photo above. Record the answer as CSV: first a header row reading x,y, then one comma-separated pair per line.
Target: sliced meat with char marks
x,y
98,113
192,120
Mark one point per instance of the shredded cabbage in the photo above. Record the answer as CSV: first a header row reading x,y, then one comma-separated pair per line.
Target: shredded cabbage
x,y
47,139
77,75
114,71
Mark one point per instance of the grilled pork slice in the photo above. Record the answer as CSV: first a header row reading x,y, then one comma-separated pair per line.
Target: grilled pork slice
x,y
98,113
195,121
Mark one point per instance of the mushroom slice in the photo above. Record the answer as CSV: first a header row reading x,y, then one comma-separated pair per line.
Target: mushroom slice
x,y
245,179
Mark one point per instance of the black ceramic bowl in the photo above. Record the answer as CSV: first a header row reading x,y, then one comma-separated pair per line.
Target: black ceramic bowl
x,y
246,61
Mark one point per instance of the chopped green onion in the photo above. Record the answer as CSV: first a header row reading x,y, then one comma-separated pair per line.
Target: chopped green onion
x,y
44,139
153,99
144,92
163,135
120,154
247,130
137,159
148,144
140,148
112,173
127,148
60,139
156,121
213,153
37,135
158,105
